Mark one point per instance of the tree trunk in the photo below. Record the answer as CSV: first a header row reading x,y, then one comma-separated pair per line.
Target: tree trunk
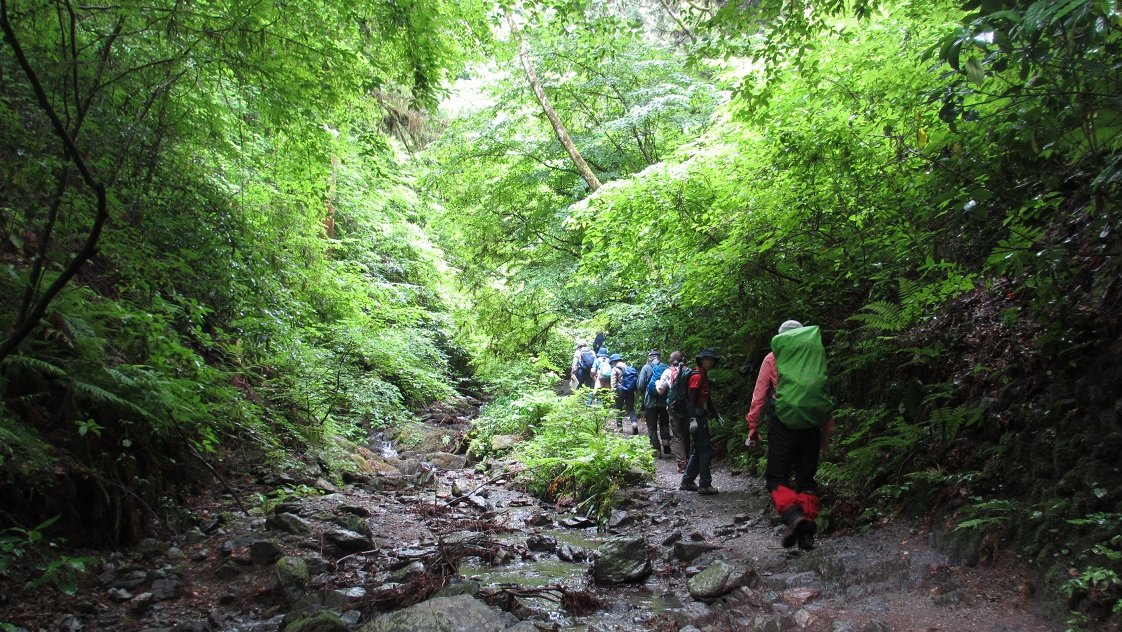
x,y
558,127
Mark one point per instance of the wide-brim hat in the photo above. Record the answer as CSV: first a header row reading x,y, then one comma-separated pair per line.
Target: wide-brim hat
x,y
615,358
708,353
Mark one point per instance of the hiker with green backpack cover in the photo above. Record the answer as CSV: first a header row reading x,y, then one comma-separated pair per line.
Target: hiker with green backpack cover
x,y
792,395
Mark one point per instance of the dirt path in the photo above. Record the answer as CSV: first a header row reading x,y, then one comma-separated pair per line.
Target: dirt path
x,y
410,528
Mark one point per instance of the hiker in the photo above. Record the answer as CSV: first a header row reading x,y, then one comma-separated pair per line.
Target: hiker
x,y
700,408
675,407
583,361
603,369
791,395
601,375
624,378
654,405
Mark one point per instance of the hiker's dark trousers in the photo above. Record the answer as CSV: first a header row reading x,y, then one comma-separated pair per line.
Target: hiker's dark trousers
x,y
792,451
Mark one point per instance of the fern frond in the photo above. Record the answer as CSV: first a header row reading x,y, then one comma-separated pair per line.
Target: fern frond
x,y
882,316
99,395
41,367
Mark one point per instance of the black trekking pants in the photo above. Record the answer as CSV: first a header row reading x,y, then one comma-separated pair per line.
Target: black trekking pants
x,y
792,451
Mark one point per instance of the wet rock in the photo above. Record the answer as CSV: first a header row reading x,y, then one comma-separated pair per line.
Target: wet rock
x,y
325,485
742,519
127,578
174,553
201,555
119,594
351,617
479,503
501,443
461,613
672,538
620,560
446,461
717,579
357,510
407,572
536,608
876,625
194,625
693,611
343,596
689,551
322,621
540,520
289,523
292,577
150,547
351,522
541,543
618,519
195,535
566,553
140,604
164,589
348,541
237,549
578,522
467,587
798,597
264,552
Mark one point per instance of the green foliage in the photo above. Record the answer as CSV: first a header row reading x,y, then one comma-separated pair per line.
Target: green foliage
x,y
572,458
30,547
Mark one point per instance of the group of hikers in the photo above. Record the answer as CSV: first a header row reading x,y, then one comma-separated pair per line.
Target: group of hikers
x,y
790,397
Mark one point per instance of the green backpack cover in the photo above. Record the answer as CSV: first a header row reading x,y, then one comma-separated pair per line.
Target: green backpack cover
x,y
802,396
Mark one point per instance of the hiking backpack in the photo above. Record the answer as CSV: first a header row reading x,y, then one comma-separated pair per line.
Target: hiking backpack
x,y
802,398
627,379
587,359
652,385
678,394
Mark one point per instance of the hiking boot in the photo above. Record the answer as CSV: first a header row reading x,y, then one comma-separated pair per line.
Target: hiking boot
x,y
708,490
688,486
666,451
805,534
794,519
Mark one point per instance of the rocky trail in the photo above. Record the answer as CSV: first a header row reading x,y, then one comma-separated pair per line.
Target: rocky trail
x,y
422,541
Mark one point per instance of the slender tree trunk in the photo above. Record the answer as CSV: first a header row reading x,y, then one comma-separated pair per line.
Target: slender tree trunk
x,y
33,311
558,127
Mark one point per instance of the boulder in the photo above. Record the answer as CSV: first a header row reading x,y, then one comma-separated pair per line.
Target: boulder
x,y
622,559
292,577
264,552
461,613
502,443
289,523
717,579
348,541
446,461
322,621
690,551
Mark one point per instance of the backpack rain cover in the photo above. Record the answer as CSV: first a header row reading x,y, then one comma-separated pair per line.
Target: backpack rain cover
x,y
802,396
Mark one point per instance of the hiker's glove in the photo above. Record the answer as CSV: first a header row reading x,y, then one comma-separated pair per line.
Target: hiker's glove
x,y
693,425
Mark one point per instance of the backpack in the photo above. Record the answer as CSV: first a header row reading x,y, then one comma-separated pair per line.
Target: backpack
x,y
587,359
652,385
628,378
677,396
605,370
802,398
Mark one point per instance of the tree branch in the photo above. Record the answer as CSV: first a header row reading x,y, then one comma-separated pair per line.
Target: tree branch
x,y
20,330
